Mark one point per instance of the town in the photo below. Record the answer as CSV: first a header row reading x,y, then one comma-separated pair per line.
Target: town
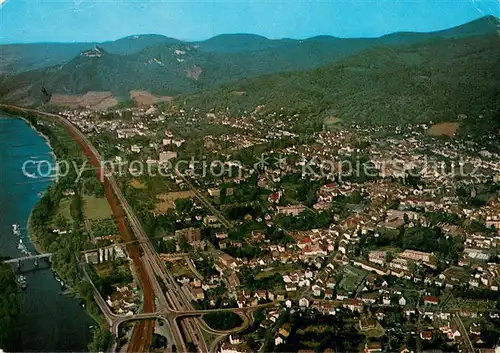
x,y
347,238
250,176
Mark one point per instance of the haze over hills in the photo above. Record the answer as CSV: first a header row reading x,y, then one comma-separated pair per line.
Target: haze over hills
x,y
15,58
165,66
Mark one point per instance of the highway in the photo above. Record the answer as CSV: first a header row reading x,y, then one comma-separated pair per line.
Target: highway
x,y
173,305
142,334
190,313
101,303
149,267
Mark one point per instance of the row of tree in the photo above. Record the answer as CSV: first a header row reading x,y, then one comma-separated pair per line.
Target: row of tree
x,y
9,308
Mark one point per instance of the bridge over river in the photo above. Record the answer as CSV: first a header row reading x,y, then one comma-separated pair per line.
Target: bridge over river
x,y
28,257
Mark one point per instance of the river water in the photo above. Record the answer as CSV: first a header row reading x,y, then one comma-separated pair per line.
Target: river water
x,y
50,321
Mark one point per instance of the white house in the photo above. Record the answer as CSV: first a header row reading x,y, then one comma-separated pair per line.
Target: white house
x,y
278,340
316,290
304,303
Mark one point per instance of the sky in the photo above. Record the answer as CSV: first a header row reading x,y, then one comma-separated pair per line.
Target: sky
x,y
24,21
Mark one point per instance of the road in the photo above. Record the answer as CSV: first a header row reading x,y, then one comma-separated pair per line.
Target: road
x,y
143,330
205,202
247,310
30,257
193,268
101,303
150,266
142,333
463,332
173,302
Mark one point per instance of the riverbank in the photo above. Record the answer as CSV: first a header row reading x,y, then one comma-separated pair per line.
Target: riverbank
x,y
41,134
74,292
36,245
34,241
29,227
8,112
49,320
63,247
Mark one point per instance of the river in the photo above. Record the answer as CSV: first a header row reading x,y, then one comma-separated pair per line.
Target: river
x,y
50,321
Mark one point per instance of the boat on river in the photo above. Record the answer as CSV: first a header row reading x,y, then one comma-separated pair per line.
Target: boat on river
x,y
59,280
21,247
16,230
21,281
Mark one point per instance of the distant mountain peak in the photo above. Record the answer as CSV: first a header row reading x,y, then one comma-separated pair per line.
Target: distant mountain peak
x,y
166,66
94,52
240,36
146,36
479,26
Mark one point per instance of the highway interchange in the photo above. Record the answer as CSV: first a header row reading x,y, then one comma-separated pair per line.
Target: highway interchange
x,y
172,305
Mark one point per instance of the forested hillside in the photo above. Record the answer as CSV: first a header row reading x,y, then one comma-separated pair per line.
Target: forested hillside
x,y
435,81
167,67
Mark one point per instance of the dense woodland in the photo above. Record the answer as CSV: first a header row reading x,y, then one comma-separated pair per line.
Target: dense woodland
x,y
402,77
222,320
9,307
436,81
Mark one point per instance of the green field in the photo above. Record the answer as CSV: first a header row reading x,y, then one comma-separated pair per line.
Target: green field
x,y
95,208
64,209
377,332
180,269
280,268
103,227
352,278
331,122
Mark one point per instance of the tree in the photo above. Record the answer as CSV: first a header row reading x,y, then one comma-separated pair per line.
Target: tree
x,y
170,246
102,340
191,347
184,245
61,222
222,320
46,96
76,208
9,307
183,205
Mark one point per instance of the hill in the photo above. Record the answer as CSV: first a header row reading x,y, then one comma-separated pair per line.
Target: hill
x,y
240,43
168,67
433,81
16,58
157,69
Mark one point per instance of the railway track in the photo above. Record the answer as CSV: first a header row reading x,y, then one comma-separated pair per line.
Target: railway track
x,y
143,330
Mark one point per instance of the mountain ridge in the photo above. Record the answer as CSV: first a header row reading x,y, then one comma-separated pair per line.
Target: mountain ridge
x,y
431,81
175,68
16,58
